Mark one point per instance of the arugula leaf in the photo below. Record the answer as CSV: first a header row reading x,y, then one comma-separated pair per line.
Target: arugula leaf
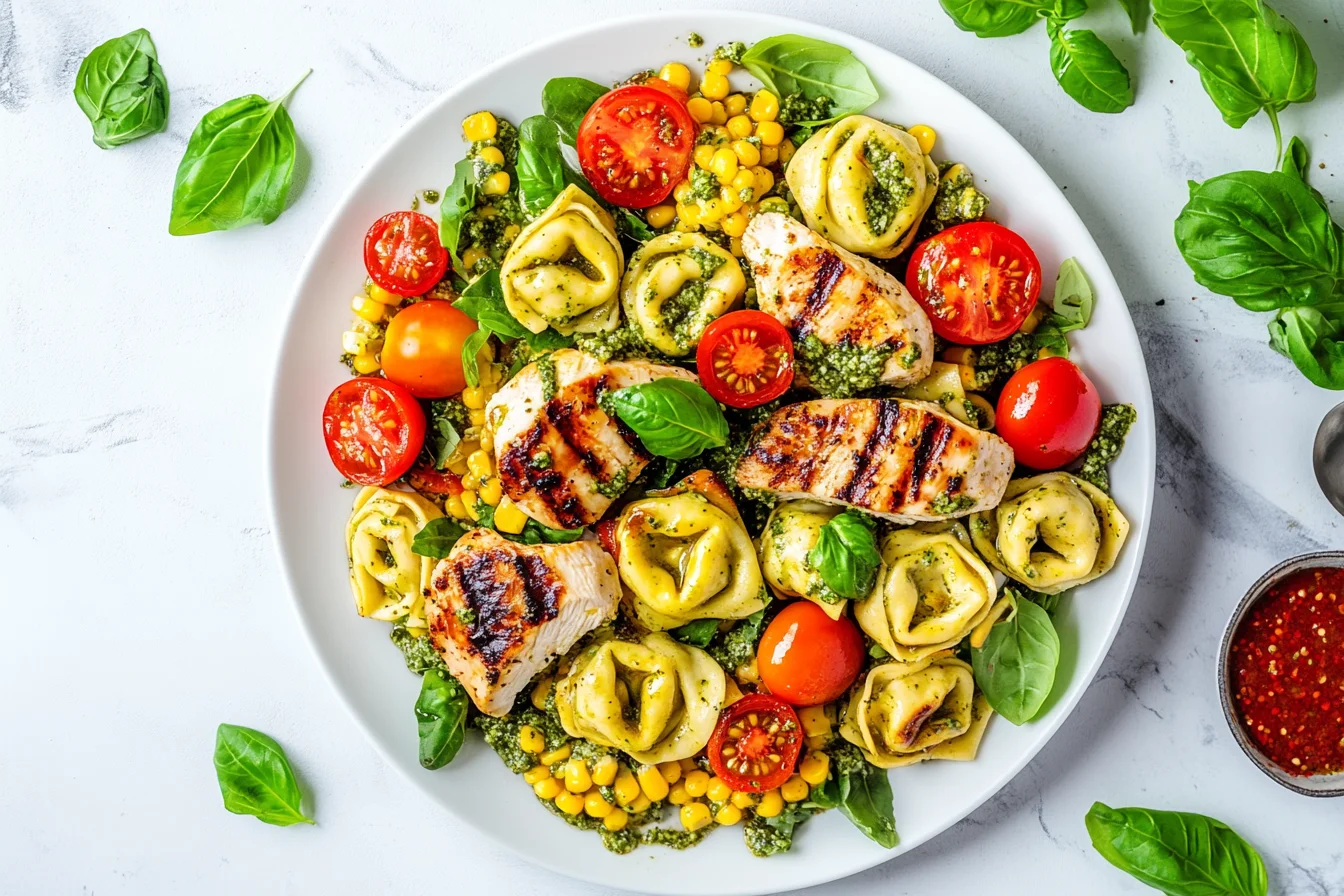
x,y
566,100
846,555
437,537
238,166
674,418
1138,11
790,64
698,633
1015,668
255,777
541,167
996,18
122,89
1088,71
1179,853
458,200
1313,337
441,719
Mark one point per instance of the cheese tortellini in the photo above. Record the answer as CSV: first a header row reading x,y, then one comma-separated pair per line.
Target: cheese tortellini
x,y
676,284
684,556
389,580
864,185
910,712
655,699
933,591
1052,532
564,269
790,534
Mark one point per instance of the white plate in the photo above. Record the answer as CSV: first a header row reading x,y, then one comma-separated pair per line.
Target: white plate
x,y
310,511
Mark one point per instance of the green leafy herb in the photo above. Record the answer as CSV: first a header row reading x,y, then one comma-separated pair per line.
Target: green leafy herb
x,y
122,89
535,533
541,167
1296,161
1179,853
996,18
1116,419
1088,71
255,777
1072,309
1138,11
736,646
437,537
441,717
483,302
634,226
698,633
566,100
789,64
846,555
1314,339
443,441
459,198
238,166
861,791
471,350
771,836
674,418
1016,666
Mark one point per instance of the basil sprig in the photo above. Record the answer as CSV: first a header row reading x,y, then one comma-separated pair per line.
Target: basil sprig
x,y
674,418
441,719
1071,309
459,198
862,793
255,777
1015,668
566,100
790,64
122,89
541,167
1088,70
238,166
846,555
1179,853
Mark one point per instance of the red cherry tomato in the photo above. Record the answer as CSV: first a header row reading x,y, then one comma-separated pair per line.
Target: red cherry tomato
x,y
437,484
745,359
606,535
635,145
422,348
1048,412
977,282
374,430
808,658
755,745
668,88
403,255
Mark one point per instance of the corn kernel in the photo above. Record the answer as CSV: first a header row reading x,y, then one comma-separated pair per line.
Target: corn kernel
x,y
745,179
714,85
747,153
682,191
786,150
596,805
378,294
686,227
604,771
652,782
560,754
532,741
764,180
670,770
359,340
735,104
735,224
473,397
626,786
577,778
697,783
764,106
687,765
677,795
925,136
739,126
469,502
813,720
508,517
695,815
677,75
718,790
480,464
735,247
471,256
728,814
365,364
718,115
496,184
491,155
542,689
769,155
815,768
794,790
492,492
615,820
720,66
717,133
711,212
539,773
511,232
476,416
773,204
770,132
641,803
367,309
729,199
660,216
700,108
724,164
743,800
771,804
688,213
548,789
454,507
480,126
703,155
569,803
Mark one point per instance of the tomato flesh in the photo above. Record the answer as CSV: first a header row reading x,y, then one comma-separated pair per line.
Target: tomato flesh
x,y
755,744
438,484
1048,412
977,282
808,658
403,255
606,536
374,430
745,359
635,144
422,348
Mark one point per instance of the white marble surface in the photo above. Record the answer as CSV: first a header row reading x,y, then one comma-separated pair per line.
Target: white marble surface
x,y
142,603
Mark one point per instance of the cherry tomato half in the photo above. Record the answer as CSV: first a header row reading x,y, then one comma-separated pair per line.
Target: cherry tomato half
x,y
422,348
745,359
977,282
435,483
606,536
374,430
1048,412
755,745
635,145
403,255
808,658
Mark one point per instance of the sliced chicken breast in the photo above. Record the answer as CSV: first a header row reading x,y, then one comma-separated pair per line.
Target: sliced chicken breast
x,y
500,612
560,458
908,461
814,287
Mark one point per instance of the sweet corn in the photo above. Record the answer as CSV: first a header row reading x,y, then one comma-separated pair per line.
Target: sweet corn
x,y
729,199
739,126
537,774
724,164
676,74
815,767
378,294
626,787
677,795
569,803
764,180
479,463
793,790
479,126
596,805
695,815
469,502
703,155
476,416
687,765
641,803
786,150
717,114
735,247
660,216
560,754
735,104
747,153
491,155
686,227
745,179
735,224
531,741
615,820
770,132
365,364
714,85
743,800
652,782
542,689
471,256
718,790
368,309
773,204
764,106
492,492
454,507
577,778
548,789
682,191
771,804
1033,319
720,66
728,814
511,232
769,155
700,108
670,770
688,214
711,212
926,137
814,721
697,783
359,340
496,184
604,771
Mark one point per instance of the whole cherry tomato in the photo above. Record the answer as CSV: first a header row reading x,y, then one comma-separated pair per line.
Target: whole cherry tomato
x,y
808,658
422,348
1048,412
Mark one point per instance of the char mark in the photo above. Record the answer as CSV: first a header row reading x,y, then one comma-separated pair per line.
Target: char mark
x,y
830,268
549,485
567,415
493,633
932,442
541,589
867,462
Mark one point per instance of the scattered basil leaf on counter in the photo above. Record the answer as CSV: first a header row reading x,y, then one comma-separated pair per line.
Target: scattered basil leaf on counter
x,y
1296,163
122,89
441,718
674,418
1088,71
1015,668
1138,11
790,64
255,777
566,100
437,537
1179,853
1313,337
238,166
458,200
541,167
698,633
846,555
471,350
996,18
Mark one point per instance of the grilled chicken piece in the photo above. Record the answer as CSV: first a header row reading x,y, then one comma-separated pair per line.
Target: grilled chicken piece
x,y
560,457
907,461
814,287
499,612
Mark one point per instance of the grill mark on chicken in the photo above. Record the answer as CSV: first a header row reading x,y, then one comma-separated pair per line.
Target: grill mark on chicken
x,y
541,590
932,441
829,269
491,635
566,415
868,461
550,485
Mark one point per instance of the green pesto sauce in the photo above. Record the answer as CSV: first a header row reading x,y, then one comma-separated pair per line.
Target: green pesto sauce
x,y
796,107
419,654
619,344
1116,419
546,370
485,230
695,40
841,371
704,185
733,50
614,487
891,190
502,735
946,504
995,362
957,200
766,837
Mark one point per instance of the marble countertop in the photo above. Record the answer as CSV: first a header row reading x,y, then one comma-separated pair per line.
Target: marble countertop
x,y
137,370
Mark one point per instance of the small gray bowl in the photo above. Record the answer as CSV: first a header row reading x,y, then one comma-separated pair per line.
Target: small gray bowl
x,y
1316,785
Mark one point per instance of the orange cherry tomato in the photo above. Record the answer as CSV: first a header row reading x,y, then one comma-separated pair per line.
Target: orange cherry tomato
x,y
808,658
745,359
635,144
422,349
755,745
374,430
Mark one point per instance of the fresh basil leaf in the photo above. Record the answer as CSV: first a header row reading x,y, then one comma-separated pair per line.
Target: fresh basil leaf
x,y
1074,299
846,555
483,302
541,167
553,536
996,18
790,64
1050,338
444,439
458,200
1015,668
566,100
485,518
865,799
437,537
674,418
1263,239
1248,56
1296,163
255,777
1138,11
1314,338
471,350
122,89
634,226
1088,71
441,718
698,633
1179,853
548,340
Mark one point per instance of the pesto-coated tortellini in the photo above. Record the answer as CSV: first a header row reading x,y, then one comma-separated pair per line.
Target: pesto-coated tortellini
x,y
655,699
932,592
864,185
676,284
564,269
911,712
1076,526
790,534
389,580
684,556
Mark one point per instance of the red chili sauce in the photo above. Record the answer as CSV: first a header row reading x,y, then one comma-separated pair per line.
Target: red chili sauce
x,y
1287,663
